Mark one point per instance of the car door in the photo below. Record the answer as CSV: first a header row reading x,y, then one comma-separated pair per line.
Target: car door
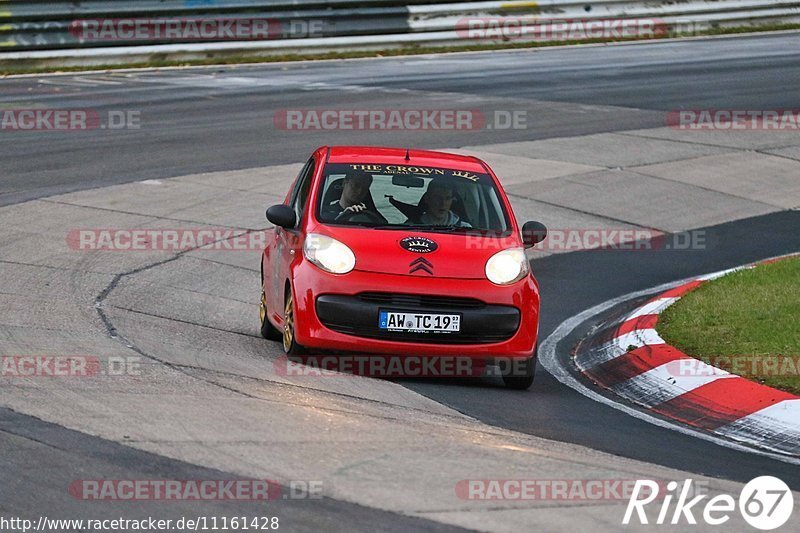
x,y
289,242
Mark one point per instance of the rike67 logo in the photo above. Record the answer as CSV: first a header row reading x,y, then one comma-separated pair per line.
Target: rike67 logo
x,y
765,503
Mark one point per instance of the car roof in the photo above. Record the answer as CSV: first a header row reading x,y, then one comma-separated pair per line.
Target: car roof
x,y
397,156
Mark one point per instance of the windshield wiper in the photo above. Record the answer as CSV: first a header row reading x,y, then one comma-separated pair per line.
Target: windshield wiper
x,y
424,227
484,232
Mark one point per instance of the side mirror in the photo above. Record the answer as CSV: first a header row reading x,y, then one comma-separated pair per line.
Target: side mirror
x,y
282,215
533,233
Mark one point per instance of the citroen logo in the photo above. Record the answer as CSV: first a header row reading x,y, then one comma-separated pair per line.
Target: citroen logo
x,y
421,264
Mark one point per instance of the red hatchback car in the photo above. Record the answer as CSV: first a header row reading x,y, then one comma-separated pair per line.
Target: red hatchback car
x,y
395,251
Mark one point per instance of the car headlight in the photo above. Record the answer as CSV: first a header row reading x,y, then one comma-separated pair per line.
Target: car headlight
x,y
507,266
328,254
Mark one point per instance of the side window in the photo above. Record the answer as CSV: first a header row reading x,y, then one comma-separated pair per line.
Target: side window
x,y
300,193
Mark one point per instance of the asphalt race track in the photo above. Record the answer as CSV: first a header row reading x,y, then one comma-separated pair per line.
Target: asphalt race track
x,y
221,118
201,120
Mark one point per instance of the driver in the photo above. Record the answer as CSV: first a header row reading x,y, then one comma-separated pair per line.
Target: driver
x,y
355,189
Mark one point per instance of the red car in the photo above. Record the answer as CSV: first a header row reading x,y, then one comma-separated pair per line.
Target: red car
x,y
395,251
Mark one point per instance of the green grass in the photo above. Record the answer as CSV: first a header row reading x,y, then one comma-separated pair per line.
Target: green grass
x,y
161,60
753,314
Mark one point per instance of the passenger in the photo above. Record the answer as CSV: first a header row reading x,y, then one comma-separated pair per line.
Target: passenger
x,y
437,201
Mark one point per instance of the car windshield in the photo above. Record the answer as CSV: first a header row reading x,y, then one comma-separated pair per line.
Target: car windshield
x,y
403,196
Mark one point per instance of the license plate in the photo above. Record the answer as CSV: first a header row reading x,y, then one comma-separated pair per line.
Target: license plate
x,y
419,322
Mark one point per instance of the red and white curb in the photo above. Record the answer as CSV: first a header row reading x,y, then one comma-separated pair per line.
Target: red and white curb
x,y
632,361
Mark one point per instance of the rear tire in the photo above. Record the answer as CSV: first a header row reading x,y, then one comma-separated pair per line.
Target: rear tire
x,y
268,331
520,373
290,345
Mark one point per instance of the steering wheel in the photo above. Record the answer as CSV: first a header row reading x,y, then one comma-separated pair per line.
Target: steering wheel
x,y
370,216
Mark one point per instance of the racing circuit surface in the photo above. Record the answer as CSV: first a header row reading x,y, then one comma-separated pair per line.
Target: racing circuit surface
x,y
389,453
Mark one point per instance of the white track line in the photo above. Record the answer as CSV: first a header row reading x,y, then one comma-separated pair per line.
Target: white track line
x,y
550,361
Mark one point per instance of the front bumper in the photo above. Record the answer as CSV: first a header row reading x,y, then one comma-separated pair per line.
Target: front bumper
x,y
341,313
358,316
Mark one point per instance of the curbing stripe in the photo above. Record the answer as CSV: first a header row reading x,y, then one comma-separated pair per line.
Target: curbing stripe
x,y
607,335
664,383
617,347
715,275
653,307
640,322
680,290
633,361
778,426
721,402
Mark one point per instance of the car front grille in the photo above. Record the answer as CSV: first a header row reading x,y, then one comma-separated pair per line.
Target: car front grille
x,y
420,301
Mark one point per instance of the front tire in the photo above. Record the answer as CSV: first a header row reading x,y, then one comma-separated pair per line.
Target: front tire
x,y
518,375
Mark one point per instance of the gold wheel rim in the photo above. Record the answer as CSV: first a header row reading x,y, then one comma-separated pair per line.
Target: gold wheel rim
x,y
288,323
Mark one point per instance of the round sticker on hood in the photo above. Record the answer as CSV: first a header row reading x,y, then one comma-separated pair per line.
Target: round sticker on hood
x,y
418,245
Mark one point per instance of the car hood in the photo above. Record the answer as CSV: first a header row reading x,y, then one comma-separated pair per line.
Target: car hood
x,y
420,253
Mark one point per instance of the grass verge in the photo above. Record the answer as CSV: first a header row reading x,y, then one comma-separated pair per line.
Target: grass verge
x,y
747,321
160,60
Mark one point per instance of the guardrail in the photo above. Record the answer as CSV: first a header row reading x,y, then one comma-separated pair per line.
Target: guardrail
x,y
217,25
